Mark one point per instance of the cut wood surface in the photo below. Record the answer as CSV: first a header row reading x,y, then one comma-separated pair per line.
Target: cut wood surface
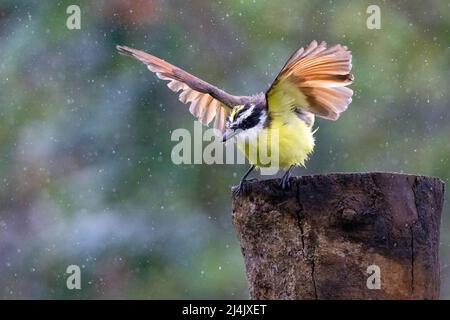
x,y
327,235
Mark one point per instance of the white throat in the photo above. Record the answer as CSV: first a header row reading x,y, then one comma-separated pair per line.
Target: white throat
x,y
252,133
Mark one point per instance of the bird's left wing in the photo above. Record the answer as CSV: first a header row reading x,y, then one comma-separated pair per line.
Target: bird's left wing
x,y
206,101
314,80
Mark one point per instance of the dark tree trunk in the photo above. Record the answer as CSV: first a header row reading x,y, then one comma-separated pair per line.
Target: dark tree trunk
x,y
317,239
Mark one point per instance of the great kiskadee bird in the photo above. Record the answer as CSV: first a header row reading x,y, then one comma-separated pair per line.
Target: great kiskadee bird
x,y
312,82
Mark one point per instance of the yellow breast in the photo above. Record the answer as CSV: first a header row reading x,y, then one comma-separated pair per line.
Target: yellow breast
x,y
288,141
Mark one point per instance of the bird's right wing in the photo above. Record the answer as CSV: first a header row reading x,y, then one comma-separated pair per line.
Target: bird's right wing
x,y
206,101
314,80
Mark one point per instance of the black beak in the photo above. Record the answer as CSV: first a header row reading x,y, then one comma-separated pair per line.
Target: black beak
x,y
229,134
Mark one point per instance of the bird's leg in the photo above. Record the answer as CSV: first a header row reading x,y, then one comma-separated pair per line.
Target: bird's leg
x,y
285,183
241,187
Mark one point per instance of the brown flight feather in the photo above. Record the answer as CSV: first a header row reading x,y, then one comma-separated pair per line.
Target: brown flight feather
x,y
206,101
321,75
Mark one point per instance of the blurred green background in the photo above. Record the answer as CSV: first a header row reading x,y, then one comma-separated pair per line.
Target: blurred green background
x,y
86,175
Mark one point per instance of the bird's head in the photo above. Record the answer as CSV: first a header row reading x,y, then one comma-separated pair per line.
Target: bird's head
x,y
245,119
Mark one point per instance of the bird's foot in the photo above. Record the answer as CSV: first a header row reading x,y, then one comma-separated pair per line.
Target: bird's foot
x,y
285,182
286,179
243,187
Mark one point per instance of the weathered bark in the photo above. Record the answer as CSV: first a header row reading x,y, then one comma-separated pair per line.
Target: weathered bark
x,y
317,239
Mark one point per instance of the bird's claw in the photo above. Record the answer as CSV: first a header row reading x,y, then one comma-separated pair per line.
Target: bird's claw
x,y
286,179
243,187
285,183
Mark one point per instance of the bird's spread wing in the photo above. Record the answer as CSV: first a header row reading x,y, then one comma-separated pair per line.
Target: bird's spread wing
x,y
314,80
206,101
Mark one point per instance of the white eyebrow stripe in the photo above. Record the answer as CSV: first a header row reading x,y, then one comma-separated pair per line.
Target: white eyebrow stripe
x,y
245,114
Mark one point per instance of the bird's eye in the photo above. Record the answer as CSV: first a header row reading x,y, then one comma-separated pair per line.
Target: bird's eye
x,y
232,126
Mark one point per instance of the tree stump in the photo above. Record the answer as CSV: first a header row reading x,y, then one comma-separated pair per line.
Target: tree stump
x,y
342,236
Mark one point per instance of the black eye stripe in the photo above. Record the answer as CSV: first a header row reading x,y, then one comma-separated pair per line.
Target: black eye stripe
x,y
251,121
239,113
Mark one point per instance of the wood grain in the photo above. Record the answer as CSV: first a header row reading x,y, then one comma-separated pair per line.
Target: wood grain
x,y
316,240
